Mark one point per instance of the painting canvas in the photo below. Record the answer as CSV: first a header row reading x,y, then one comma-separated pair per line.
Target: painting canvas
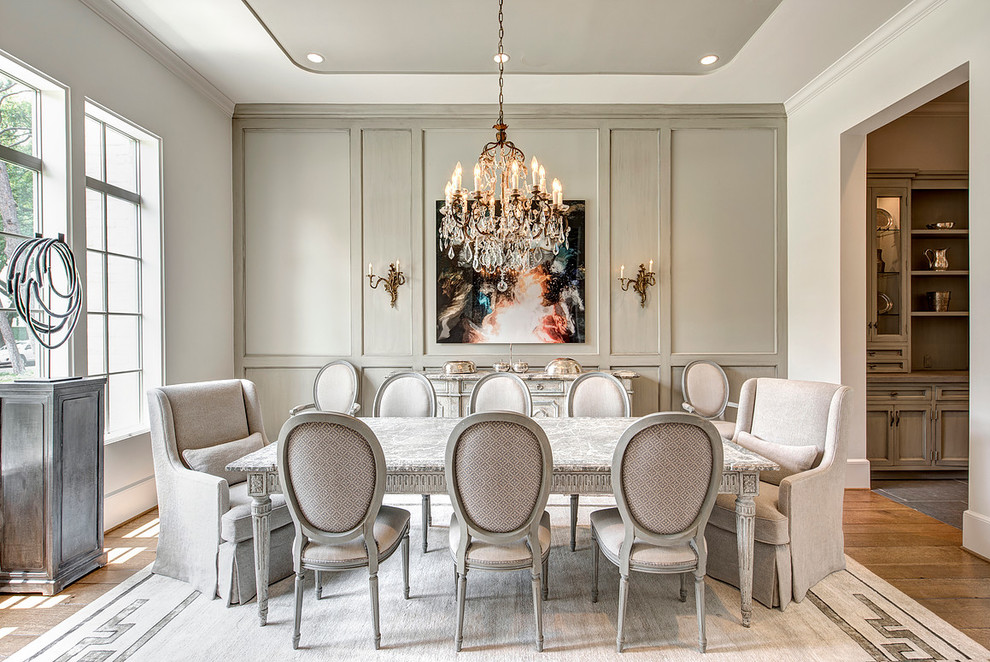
x,y
545,304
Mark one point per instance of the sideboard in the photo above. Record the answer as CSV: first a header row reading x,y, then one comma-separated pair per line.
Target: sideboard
x,y
549,391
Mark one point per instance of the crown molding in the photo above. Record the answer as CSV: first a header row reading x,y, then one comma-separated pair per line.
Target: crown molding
x,y
517,111
900,22
124,23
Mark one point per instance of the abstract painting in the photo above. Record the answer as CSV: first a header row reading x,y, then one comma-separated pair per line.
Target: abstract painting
x,y
541,305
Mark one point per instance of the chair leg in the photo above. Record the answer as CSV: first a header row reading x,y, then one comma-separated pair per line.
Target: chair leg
x,y
297,621
546,578
538,608
373,581
574,514
405,565
594,567
427,521
683,595
319,584
623,594
461,590
699,596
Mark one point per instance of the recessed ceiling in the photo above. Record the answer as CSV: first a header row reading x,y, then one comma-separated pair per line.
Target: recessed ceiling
x,y
544,37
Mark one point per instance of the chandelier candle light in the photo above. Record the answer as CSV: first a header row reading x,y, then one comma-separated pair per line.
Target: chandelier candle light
x,y
501,228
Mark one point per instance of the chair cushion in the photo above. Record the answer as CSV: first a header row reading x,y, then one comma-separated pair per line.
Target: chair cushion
x,y
725,428
771,525
481,553
390,525
235,524
608,529
213,460
792,459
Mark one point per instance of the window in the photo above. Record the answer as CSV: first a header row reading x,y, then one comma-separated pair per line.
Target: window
x,y
122,282
20,182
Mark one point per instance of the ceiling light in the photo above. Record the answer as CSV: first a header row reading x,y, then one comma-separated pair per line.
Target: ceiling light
x,y
315,58
709,59
508,224
501,58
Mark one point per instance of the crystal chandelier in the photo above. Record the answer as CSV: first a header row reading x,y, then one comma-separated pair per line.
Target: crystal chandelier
x,y
499,228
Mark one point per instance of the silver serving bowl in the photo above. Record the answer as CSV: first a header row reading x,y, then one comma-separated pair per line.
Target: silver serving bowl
x,y
502,366
458,367
520,366
563,366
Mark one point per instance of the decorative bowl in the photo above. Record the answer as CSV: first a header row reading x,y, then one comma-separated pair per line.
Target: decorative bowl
x,y
502,366
563,366
458,367
941,225
520,366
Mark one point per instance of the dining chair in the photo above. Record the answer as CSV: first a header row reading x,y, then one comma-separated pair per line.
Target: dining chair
x,y
409,394
666,471
705,388
804,427
206,534
596,395
335,389
501,391
332,470
498,467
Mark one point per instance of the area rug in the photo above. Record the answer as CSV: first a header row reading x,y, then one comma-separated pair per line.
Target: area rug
x,y
851,615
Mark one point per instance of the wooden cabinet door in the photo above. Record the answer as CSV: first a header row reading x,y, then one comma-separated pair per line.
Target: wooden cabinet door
x,y
912,435
880,435
952,435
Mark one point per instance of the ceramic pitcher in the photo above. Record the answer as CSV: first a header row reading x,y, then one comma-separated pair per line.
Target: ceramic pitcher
x,y
937,259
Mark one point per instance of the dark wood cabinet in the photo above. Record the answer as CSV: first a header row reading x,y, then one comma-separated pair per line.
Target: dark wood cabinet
x,y
51,483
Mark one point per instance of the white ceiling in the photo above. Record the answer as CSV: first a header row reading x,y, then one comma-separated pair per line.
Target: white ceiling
x,y
609,55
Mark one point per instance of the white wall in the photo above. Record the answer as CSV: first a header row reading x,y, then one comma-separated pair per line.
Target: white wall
x,y
70,43
826,168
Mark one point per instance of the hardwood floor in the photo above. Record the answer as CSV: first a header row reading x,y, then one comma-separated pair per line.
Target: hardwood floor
x,y
916,553
23,618
922,557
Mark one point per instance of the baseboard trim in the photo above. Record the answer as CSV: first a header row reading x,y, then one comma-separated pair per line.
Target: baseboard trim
x,y
127,503
976,533
858,473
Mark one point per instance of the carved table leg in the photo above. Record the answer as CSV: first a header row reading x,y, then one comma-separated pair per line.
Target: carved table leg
x,y
745,520
574,518
426,521
261,509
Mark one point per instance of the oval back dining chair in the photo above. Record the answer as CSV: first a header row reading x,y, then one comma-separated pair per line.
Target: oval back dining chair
x,y
596,395
666,471
705,388
409,394
332,470
335,389
501,391
498,467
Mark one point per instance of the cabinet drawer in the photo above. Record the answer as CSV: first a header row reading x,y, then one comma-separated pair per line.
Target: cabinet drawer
x,y
886,366
905,393
886,354
954,392
548,386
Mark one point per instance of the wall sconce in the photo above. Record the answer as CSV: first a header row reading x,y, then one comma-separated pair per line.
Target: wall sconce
x,y
392,280
644,279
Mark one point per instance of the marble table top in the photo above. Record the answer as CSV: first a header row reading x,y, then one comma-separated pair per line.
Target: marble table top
x,y
527,376
417,445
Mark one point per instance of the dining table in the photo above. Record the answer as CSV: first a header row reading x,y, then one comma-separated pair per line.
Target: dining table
x,y
582,464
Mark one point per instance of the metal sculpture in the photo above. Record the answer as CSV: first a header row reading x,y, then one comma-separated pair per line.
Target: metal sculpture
x,y
36,287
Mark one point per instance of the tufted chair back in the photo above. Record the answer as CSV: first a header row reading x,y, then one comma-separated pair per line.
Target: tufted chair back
x,y
332,470
336,387
598,395
408,394
501,391
706,388
498,467
666,472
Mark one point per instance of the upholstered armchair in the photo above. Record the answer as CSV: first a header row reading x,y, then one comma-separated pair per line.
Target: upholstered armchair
x,y
206,534
803,427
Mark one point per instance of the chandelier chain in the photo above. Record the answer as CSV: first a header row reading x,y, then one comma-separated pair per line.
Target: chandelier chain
x,y
501,62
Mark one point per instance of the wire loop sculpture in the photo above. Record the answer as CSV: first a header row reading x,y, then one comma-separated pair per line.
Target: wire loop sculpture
x,y
44,284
